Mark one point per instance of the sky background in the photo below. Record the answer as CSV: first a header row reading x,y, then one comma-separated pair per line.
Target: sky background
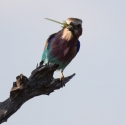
x,y
96,95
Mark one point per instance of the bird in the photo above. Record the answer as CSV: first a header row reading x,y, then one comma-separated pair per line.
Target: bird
x,y
61,47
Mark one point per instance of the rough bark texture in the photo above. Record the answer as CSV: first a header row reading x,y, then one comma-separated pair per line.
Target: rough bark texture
x,y
40,82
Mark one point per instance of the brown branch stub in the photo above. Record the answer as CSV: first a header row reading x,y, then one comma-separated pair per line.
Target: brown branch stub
x,y
40,82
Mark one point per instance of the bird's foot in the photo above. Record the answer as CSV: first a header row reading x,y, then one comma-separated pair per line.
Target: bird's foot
x,y
62,79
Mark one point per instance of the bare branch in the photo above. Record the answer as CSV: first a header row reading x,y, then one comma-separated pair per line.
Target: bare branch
x,y
40,82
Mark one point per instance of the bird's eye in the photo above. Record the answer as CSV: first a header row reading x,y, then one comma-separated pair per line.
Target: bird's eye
x,y
79,25
71,23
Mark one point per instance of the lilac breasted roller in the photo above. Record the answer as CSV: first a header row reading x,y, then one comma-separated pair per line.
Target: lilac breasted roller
x,y
61,47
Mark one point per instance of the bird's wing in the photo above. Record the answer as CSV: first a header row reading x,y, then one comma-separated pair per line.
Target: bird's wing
x,y
49,40
46,46
78,46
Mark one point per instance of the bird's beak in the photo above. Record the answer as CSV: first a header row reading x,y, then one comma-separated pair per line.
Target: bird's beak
x,y
64,23
70,27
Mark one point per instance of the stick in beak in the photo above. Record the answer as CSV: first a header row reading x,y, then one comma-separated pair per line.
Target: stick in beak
x,y
64,23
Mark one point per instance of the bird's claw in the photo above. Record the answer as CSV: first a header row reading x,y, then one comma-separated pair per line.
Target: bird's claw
x,y
62,79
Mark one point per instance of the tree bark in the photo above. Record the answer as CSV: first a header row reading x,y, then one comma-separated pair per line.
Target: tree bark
x,y
40,82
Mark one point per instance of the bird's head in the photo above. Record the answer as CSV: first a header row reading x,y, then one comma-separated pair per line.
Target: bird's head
x,y
74,25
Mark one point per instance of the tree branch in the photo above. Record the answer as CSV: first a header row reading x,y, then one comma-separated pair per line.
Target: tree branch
x,y
41,82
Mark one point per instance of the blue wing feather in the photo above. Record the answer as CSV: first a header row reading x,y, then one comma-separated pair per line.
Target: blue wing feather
x,y
78,46
46,47
50,40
